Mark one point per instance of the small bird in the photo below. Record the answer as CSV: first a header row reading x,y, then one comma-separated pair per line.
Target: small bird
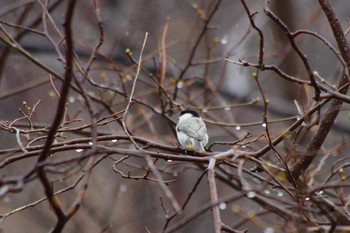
x,y
191,131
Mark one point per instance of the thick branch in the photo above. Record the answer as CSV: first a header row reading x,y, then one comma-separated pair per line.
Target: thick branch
x,y
57,120
328,121
214,196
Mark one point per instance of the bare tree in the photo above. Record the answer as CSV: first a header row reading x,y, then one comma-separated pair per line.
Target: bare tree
x,y
90,96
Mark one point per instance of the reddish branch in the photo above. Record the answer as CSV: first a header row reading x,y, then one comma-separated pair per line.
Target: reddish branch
x,y
327,122
37,20
291,36
227,171
195,46
62,218
261,35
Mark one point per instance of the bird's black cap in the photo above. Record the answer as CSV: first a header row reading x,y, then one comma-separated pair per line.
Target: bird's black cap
x,y
194,113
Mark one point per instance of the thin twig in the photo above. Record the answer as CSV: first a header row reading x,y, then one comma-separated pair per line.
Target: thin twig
x,y
132,92
195,46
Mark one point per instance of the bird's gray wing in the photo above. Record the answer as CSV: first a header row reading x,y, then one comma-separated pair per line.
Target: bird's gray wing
x,y
192,131
201,130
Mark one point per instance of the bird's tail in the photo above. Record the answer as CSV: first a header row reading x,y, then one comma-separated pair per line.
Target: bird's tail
x,y
197,146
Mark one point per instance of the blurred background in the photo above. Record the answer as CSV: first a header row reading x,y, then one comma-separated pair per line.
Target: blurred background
x,y
184,66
